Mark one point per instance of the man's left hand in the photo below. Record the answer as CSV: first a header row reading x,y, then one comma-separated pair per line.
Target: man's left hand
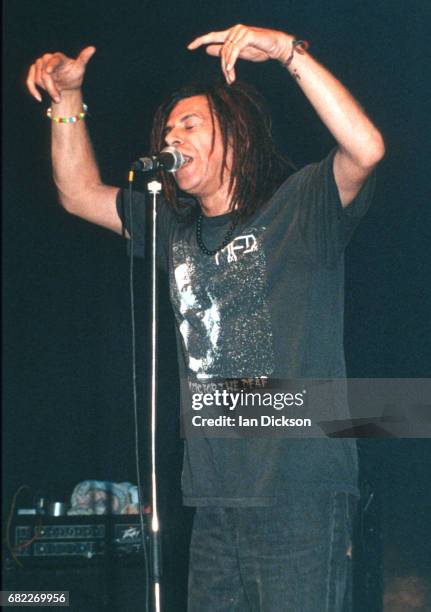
x,y
244,42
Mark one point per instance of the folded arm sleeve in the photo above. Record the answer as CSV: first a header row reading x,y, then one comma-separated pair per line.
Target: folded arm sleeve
x,y
325,226
134,219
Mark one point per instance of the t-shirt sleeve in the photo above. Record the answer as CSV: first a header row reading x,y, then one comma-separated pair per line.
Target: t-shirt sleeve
x,y
325,226
136,217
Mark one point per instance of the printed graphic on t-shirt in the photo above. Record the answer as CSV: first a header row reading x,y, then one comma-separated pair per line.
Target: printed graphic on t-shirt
x,y
221,308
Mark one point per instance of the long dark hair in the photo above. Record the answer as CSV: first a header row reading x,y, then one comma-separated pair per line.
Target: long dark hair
x,y
258,169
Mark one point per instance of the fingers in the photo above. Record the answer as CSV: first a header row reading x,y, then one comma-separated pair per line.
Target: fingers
x,y
49,64
31,83
224,54
232,54
86,54
231,50
207,39
50,87
55,72
55,61
39,75
236,42
213,50
226,44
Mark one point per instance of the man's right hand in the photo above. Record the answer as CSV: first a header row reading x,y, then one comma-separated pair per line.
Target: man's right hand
x,y
80,188
56,73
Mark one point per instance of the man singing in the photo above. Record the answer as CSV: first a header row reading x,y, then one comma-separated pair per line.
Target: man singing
x,y
254,256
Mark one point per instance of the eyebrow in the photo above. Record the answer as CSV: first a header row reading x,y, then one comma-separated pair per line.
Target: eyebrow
x,y
168,128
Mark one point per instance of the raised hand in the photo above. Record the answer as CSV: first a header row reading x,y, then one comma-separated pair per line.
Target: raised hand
x,y
56,73
244,42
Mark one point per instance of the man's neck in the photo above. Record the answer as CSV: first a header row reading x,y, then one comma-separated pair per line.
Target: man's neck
x,y
216,204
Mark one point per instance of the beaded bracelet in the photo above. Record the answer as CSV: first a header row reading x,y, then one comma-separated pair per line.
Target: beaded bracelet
x,y
297,45
73,119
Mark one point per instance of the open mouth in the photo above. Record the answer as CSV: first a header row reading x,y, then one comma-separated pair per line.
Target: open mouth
x,y
188,160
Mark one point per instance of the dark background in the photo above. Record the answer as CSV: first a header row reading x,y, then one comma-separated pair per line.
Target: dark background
x,y
67,412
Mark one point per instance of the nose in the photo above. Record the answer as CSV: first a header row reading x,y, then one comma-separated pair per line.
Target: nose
x,y
173,138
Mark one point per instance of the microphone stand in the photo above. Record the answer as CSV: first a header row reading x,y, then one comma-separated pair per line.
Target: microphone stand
x,y
154,187
170,159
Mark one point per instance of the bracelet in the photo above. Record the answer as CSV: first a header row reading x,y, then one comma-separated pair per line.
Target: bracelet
x,y
300,46
72,119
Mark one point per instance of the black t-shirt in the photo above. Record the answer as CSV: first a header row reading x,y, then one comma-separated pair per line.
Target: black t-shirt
x,y
270,304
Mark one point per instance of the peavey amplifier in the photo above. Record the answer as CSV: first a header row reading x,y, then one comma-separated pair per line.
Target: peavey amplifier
x,y
98,559
40,537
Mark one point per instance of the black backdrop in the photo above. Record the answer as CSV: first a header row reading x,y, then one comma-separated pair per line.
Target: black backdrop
x,y
67,412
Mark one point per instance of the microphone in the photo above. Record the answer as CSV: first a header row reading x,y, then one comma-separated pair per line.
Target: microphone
x,y
169,159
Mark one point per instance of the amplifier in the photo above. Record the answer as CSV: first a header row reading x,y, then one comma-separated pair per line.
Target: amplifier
x,y
99,559
76,536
